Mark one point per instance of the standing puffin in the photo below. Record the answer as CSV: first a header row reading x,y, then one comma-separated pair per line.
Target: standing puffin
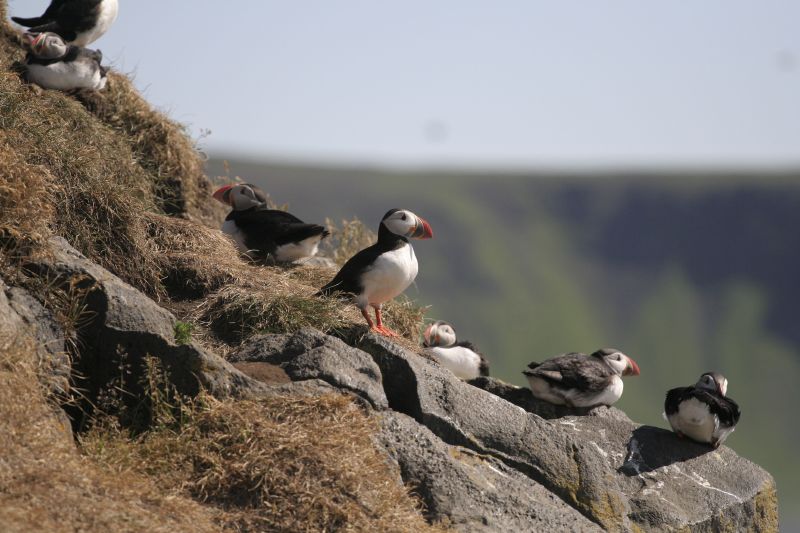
x,y
79,22
260,232
384,270
702,412
460,357
53,64
577,380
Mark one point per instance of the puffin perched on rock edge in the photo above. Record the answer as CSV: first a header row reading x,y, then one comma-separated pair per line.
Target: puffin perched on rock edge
x,y
384,270
79,22
577,380
460,357
54,64
702,412
260,232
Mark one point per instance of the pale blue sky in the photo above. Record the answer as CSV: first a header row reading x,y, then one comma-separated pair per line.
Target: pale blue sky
x,y
511,83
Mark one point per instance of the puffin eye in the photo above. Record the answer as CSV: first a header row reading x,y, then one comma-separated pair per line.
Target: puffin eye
x,y
404,217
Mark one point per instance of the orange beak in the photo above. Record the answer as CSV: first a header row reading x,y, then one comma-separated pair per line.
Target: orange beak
x,y
633,368
221,196
423,230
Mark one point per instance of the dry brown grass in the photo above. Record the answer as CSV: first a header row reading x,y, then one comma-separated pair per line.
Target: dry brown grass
x,y
46,485
346,239
276,464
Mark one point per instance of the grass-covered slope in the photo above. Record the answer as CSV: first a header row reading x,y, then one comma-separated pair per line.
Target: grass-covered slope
x,y
125,186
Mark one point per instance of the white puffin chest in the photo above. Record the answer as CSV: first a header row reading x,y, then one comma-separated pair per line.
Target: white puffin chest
x,y
80,74
461,361
390,274
105,18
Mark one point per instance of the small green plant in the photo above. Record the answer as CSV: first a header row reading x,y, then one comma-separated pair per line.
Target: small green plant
x,y
183,332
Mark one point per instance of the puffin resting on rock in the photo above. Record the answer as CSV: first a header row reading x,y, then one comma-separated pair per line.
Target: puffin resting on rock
x,y
382,271
260,232
460,357
702,412
578,380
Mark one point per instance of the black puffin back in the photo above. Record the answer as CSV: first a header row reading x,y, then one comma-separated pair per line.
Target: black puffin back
x,y
578,371
264,230
723,407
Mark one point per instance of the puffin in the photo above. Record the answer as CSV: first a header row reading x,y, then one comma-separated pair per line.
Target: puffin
x,y
577,380
460,357
702,412
79,22
384,270
54,64
262,233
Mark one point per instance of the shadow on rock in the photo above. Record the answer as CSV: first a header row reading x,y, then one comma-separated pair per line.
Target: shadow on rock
x,y
523,397
650,448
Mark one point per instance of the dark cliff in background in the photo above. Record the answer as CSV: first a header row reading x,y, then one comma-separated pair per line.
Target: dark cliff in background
x,y
686,273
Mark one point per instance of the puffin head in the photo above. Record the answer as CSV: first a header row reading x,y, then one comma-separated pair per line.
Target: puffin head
x,y
241,196
406,224
618,361
46,45
440,333
713,381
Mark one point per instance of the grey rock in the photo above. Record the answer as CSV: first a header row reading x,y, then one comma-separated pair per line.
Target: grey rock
x,y
54,362
582,459
310,354
470,491
122,326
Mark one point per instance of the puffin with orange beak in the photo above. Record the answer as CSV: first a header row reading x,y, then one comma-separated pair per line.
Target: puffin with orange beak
x,y
262,233
459,357
384,270
578,380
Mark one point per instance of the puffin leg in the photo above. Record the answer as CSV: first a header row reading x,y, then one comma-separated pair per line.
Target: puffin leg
x,y
380,327
369,320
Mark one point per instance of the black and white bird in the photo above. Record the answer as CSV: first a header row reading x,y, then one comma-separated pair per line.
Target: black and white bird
x,y
54,64
384,270
79,22
460,357
702,412
578,380
261,232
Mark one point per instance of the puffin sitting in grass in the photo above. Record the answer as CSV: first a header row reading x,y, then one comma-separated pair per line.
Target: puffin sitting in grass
x,y
578,380
54,64
702,412
78,22
460,357
262,233
382,271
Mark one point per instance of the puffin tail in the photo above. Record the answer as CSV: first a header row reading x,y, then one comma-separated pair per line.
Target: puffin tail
x,y
29,22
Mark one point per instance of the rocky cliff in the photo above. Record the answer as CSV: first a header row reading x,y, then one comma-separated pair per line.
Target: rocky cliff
x,y
152,380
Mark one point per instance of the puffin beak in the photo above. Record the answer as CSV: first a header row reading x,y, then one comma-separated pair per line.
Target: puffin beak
x,y
220,194
422,230
632,368
427,335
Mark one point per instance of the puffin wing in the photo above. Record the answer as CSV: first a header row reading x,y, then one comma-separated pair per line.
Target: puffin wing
x,y
674,399
348,279
573,371
726,410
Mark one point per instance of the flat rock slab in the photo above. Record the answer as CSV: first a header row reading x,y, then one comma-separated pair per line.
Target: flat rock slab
x,y
469,491
310,354
588,461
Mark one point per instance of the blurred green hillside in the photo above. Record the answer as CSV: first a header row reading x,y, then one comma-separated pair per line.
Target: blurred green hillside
x,y
685,274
